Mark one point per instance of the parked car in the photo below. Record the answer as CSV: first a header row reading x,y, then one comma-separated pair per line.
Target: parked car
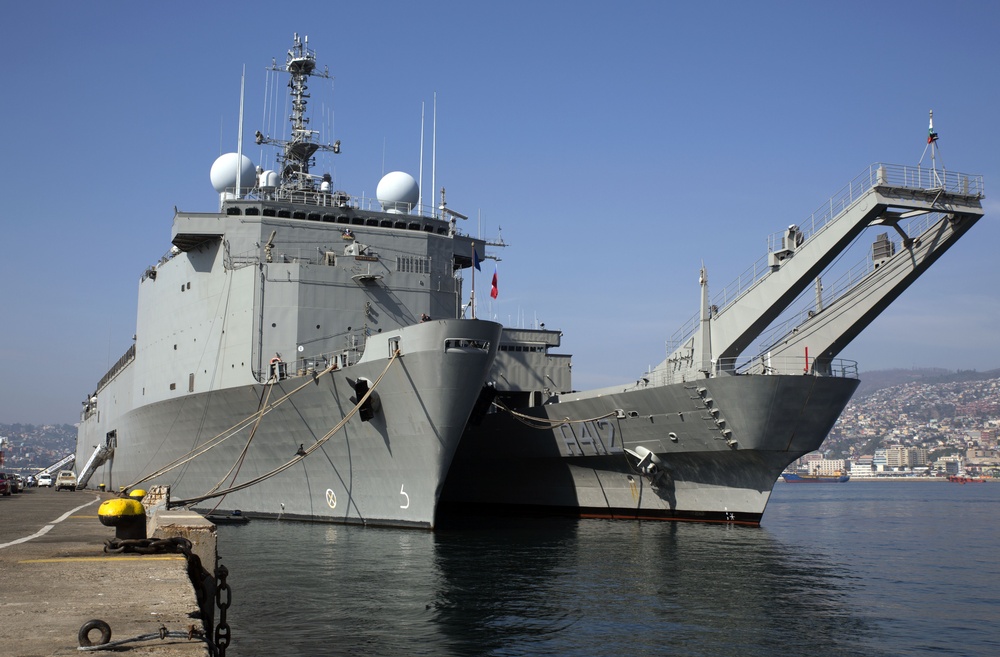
x,y
66,479
45,480
4,484
16,483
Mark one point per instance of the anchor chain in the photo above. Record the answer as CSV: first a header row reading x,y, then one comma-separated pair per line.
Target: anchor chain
x,y
203,582
222,631
149,546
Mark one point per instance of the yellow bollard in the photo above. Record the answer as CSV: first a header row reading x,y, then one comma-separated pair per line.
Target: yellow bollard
x,y
127,516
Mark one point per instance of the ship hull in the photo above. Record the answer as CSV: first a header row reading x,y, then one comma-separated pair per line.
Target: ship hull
x,y
386,471
720,443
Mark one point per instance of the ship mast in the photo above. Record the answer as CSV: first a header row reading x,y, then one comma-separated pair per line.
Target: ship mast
x,y
932,139
296,155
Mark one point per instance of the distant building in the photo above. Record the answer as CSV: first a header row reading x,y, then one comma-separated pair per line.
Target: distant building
x,y
811,457
828,467
951,465
981,454
898,456
879,460
862,466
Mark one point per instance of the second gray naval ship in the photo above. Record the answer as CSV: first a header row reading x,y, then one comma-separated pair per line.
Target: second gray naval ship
x,y
705,434
299,352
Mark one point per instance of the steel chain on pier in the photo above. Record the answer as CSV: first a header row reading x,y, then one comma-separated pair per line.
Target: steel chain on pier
x,y
223,593
149,545
222,632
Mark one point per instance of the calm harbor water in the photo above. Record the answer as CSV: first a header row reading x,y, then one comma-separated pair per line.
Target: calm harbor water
x,y
863,568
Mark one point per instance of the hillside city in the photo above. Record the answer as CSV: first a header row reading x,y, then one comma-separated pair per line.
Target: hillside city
x,y
900,423
934,423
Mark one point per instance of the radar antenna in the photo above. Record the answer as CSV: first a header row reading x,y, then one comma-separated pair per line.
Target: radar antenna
x,y
296,155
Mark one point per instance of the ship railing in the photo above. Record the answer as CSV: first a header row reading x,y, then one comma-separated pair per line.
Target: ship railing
x,y
241,261
166,257
320,362
126,358
353,348
876,175
761,365
335,199
765,365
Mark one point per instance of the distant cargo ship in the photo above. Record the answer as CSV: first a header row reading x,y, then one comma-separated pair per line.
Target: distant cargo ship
x,y
959,479
792,478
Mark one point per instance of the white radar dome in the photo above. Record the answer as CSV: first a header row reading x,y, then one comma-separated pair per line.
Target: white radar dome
x,y
398,192
269,179
224,170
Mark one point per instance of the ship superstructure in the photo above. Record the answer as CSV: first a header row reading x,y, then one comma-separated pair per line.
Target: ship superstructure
x,y
299,352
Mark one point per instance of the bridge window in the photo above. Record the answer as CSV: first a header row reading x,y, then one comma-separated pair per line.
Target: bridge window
x,y
466,345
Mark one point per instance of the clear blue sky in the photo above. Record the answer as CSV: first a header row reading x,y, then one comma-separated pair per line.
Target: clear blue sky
x,y
618,145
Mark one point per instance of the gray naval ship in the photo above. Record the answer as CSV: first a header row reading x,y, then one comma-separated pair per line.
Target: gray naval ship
x,y
300,352
705,434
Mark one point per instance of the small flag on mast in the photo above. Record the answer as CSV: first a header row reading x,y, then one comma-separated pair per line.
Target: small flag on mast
x,y
475,258
494,291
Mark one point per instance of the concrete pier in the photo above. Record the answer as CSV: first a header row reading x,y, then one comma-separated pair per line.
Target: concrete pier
x,y
55,576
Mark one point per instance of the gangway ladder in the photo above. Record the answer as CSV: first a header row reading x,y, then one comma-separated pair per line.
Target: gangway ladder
x,y
59,465
100,456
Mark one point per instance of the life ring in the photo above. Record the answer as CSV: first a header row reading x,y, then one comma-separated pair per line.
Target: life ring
x,y
276,359
95,624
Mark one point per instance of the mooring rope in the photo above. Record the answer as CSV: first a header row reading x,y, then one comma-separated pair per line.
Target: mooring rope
x,y
235,470
298,457
225,435
544,422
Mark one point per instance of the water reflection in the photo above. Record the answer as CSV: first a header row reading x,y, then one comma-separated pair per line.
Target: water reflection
x,y
603,587
533,586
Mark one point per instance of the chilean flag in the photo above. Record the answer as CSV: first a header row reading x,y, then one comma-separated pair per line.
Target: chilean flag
x,y
493,291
